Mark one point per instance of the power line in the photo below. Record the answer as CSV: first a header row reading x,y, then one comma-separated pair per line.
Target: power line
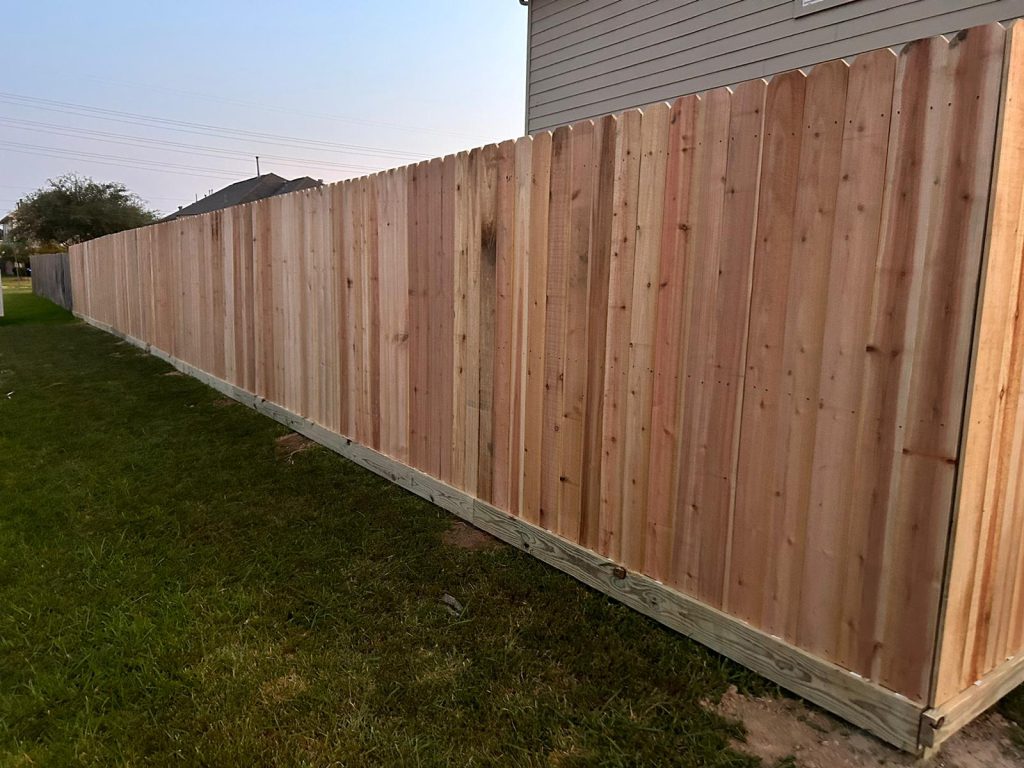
x,y
287,111
145,165
171,146
22,186
201,129
123,158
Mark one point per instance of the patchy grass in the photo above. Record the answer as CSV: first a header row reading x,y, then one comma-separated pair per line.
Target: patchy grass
x,y
176,590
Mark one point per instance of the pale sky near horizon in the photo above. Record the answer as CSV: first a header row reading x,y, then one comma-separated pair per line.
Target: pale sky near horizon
x,y
166,98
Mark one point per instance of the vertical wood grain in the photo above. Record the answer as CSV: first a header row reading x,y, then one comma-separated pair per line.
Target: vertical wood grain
x,y
606,141
620,294
460,320
987,475
640,360
552,351
419,347
673,303
571,473
723,342
845,337
502,381
488,172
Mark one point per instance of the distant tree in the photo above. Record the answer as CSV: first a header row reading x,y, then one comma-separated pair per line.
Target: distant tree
x,y
12,250
75,208
15,253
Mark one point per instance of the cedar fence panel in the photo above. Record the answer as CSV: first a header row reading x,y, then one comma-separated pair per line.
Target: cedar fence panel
x,y
711,357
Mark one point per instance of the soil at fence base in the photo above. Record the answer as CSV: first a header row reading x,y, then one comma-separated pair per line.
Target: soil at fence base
x,y
787,729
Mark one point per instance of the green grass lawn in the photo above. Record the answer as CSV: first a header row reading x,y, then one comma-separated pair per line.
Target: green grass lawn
x,y
175,591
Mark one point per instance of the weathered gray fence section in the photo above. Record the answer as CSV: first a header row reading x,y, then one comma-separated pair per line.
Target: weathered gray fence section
x,y
51,278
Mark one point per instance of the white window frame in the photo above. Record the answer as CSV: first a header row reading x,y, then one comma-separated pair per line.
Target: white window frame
x,y
803,7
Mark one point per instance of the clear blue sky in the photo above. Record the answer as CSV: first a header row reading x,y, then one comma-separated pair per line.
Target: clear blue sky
x,y
388,81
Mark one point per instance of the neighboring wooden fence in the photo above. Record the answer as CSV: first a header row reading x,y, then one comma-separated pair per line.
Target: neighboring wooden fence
x,y
51,278
724,344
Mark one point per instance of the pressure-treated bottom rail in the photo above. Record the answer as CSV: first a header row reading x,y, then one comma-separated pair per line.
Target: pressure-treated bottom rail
x,y
888,715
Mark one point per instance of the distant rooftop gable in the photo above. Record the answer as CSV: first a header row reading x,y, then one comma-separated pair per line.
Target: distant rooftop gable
x,y
303,182
256,188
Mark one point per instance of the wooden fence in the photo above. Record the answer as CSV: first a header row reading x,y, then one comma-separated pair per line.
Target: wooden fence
x,y
719,349
51,278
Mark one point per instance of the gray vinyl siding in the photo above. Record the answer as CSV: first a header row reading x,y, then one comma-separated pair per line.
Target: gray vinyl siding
x,y
592,57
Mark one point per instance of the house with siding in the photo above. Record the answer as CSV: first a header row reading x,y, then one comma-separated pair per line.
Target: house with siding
x,y
587,58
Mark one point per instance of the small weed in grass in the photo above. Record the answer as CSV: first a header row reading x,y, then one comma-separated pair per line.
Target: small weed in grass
x,y
177,590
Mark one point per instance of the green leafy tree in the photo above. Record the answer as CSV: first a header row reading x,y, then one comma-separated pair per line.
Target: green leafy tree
x,y
14,252
73,208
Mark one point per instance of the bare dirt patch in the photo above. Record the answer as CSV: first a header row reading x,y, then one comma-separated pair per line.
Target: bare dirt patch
x,y
778,729
287,446
987,741
465,536
223,402
282,689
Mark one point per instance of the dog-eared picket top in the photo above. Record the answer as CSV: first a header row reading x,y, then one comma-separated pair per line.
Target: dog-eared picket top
x,y
749,362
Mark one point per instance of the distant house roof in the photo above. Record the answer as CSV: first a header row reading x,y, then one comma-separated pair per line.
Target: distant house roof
x,y
303,182
256,188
